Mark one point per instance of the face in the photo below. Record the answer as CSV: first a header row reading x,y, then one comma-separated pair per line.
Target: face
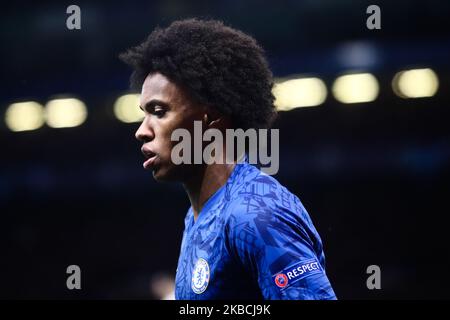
x,y
167,106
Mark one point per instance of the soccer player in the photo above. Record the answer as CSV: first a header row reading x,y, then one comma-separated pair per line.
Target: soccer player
x,y
246,236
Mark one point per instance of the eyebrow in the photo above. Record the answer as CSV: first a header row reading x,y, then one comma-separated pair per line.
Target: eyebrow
x,y
152,103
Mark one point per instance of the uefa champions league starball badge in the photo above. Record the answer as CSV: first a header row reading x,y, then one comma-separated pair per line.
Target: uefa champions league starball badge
x,y
200,276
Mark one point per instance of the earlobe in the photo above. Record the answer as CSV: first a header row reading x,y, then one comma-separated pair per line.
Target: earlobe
x,y
213,119
206,119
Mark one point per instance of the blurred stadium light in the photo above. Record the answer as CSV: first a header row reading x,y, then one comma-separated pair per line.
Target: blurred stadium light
x,y
126,108
24,116
65,113
415,83
294,93
355,88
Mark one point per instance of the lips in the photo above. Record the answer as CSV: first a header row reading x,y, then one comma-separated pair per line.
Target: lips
x,y
150,158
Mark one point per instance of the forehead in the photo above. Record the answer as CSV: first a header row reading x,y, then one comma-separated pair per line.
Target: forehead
x,y
157,86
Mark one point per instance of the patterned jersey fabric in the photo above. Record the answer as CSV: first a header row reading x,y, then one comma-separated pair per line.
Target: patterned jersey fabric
x,y
253,239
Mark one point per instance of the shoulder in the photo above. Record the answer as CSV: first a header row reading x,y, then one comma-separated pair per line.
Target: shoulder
x,y
263,208
265,198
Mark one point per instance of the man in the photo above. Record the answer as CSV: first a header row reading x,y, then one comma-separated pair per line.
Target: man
x,y
246,236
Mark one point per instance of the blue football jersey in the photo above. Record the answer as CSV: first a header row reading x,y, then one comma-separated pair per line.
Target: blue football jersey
x,y
253,239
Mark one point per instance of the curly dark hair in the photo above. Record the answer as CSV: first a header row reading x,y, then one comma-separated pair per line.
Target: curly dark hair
x,y
221,67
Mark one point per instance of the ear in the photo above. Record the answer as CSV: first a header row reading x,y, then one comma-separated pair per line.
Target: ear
x,y
213,119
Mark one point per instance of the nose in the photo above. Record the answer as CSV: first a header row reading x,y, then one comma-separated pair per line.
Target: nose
x,y
144,133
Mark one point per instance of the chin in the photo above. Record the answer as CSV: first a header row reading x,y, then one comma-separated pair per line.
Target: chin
x,y
163,174
157,175
171,173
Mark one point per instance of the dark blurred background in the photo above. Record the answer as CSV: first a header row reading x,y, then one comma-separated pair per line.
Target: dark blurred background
x,y
373,175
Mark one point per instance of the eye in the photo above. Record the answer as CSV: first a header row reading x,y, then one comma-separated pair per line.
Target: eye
x,y
159,112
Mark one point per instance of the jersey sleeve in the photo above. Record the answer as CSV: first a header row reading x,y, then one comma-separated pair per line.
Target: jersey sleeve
x,y
281,250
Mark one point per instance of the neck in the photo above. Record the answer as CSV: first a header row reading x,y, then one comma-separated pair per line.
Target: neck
x,y
204,184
